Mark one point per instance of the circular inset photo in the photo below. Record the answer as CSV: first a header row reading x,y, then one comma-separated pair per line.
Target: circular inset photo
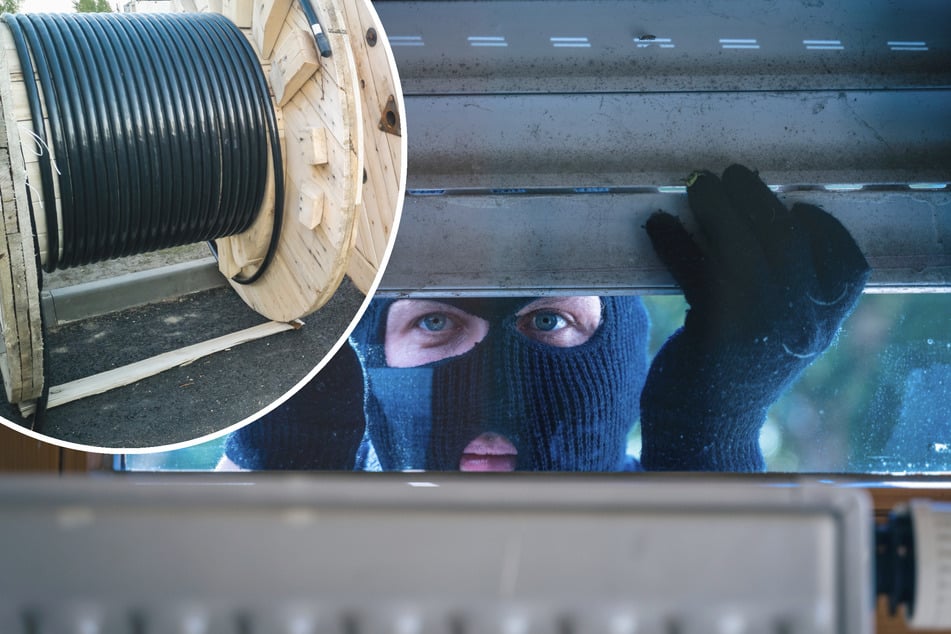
x,y
196,205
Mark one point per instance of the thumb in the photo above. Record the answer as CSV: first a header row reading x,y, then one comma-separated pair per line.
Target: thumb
x,y
841,268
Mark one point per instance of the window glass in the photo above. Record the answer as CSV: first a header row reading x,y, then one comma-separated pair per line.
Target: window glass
x,y
879,400
201,457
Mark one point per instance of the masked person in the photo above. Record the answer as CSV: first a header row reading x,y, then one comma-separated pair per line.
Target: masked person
x,y
557,383
500,384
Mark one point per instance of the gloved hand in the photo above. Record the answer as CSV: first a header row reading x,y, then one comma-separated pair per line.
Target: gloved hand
x,y
767,288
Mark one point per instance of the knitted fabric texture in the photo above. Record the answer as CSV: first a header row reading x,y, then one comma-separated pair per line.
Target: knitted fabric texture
x,y
565,409
768,288
319,427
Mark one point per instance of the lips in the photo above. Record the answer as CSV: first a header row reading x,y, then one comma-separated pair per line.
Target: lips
x,y
489,452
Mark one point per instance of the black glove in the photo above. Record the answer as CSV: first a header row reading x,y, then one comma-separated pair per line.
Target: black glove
x,y
768,288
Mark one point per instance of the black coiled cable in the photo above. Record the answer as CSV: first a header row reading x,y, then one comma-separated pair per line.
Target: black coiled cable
x,y
160,125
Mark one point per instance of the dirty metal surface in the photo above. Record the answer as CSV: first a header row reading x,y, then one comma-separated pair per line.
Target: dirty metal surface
x,y
551,129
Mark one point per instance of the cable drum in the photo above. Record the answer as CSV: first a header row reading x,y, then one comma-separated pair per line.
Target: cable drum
x,y
273,129
161,128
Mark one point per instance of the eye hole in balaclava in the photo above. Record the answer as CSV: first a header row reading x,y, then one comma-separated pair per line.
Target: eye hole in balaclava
x,y
562,395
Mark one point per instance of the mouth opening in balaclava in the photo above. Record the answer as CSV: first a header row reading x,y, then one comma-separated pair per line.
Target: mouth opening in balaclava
x,y
510,401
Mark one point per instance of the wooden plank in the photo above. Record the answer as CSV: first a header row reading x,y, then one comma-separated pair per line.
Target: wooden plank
x,y
316,150
228,262
238,11
362,270
27,296
327,102
33,149
33,176
10,323
331,21
379,78
188,6
364,244
73,460
381,206
295,62
22,361
19,452
266,24
22,319
9,50
312,202
335,177
105,381
385,152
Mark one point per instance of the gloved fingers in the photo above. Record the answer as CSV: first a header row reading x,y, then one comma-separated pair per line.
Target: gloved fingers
x,y
729,238
679,253
749,193
771,221
841,268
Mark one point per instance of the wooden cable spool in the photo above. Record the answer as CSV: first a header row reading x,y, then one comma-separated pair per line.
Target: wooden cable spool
x,y
343,141
343,130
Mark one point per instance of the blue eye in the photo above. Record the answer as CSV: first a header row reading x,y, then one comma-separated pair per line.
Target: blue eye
x,y
547,321
434,322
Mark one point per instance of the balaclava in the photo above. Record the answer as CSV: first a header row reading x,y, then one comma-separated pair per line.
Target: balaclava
x,y
564,409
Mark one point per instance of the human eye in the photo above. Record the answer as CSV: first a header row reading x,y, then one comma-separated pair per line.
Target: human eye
x,y
560,322
434,322
549,327
437,328
423,331
546,321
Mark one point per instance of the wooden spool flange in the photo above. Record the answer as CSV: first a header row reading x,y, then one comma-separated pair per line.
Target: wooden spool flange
x,y
384,137
341,120
344,146
21,361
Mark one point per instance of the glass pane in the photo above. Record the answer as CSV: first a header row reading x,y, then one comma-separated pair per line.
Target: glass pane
x,y
879,400
201,457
